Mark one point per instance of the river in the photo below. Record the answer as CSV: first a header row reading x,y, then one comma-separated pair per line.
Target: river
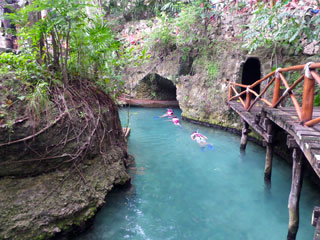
x,y
180,191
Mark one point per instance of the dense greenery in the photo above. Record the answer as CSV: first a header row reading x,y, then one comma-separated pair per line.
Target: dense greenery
x,y
60,42
64,40
281,26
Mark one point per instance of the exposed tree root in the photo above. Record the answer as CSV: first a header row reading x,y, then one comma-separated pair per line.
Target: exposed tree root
x,y
87,125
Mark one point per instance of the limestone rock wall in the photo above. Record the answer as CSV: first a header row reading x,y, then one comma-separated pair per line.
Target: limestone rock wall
x,y
202,83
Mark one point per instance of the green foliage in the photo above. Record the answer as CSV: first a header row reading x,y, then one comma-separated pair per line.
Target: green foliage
x,y
24,66
66,43
163,37
317,100
188,24
212,70
280,26
143,8
187,29
317,96
207,65
38,99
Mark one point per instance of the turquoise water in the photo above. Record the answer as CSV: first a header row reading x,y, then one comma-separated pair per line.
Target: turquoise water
x,y
181,192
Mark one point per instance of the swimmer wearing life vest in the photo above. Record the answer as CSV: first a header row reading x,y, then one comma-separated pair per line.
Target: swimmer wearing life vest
x,y
201,140
176,121
169,113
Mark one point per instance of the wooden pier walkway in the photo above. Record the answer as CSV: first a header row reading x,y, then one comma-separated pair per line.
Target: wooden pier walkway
x,y
298,118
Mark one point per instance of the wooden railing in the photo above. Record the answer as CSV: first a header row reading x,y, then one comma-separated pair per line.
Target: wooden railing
x,y
309,77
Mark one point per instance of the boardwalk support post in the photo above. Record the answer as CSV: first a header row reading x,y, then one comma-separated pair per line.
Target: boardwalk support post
x,y
244,136
294,197
269,152
316,223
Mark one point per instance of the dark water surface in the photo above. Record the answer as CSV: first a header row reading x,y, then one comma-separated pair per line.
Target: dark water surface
x,y
181,192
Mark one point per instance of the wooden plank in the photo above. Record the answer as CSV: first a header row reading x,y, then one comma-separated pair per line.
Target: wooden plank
x,y
308,133
306,138
312,145
303,128
316,159
250,119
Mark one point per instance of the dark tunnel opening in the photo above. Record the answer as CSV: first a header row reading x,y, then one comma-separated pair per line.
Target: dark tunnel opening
x,y
155,87
251,73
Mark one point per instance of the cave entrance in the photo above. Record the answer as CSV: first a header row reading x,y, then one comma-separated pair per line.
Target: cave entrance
x,y
251,73
155,87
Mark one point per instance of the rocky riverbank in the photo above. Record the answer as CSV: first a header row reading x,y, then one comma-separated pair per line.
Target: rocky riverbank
x,y
57,167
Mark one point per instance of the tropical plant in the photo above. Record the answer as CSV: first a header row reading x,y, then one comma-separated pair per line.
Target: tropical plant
x,y
61,36
280,26
163,36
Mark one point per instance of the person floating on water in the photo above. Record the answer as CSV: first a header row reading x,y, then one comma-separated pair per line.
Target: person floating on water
x,y
176,121
201,140
169,113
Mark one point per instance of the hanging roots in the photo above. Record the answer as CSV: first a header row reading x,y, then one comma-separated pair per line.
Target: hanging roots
x,y
83,123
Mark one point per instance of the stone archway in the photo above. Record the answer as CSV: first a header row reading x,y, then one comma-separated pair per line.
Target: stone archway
x,y
251,72
155,87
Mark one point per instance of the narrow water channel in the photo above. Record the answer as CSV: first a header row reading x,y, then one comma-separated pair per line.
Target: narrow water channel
x,y
181,192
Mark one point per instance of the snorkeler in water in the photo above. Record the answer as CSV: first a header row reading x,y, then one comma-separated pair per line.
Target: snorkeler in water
x,y
169,113
201,140
176,121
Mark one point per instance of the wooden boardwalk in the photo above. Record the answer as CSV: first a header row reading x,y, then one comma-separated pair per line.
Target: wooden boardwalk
x,y
308,138
263,113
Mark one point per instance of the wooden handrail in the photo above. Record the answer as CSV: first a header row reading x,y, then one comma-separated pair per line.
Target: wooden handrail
x,y
315,76
240,85
293,98
262,79
262,99
312,122
309,78
288,91
238,94
263,91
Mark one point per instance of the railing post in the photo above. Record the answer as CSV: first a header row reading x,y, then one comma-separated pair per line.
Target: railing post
x,y
248,99
308,95
230,92
276,90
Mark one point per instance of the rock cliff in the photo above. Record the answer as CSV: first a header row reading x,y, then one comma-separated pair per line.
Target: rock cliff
x,y
57,167
201,76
